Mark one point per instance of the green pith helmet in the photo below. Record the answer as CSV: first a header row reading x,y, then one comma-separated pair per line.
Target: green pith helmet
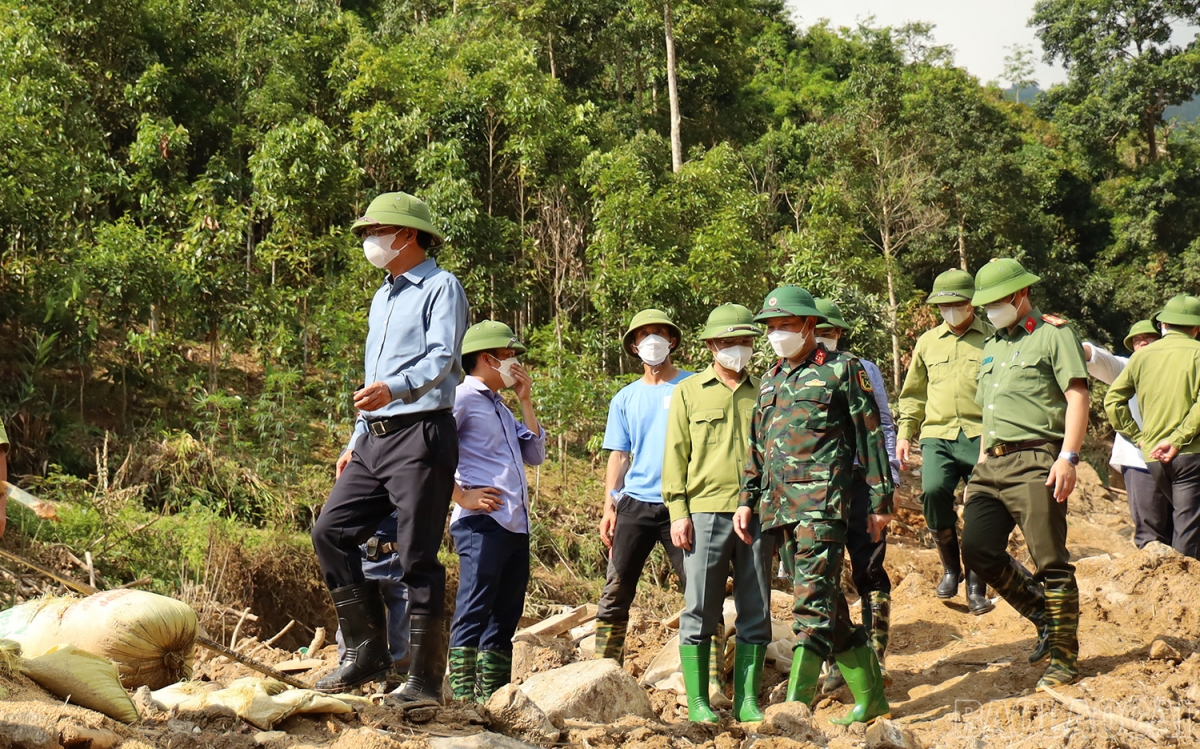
x,y
648,317
730,321
489,335
999,278
1141,327
788,301
952,287
1182,310
833,315
398,209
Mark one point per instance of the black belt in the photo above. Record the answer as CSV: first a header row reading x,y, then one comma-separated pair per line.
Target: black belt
x,y
1005,448
389,424
375,550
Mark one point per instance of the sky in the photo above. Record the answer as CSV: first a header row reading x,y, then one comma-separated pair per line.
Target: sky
x,y
980,31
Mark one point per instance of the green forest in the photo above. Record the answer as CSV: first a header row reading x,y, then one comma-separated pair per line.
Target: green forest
x,y
183,306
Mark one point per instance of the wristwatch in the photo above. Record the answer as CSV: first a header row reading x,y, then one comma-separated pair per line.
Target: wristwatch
x,y
1072,458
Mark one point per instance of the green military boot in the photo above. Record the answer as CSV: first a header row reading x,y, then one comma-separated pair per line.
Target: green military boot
x,y
802,682
861,671
1017,586
1062,609
747,679
495,670
462,673
881,618
694,661
610,640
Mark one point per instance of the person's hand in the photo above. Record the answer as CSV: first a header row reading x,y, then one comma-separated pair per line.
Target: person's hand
x,y
877,525
608,524
523,386
373,397
1062,478
486,498
903,451
1164,452
741,524
681,533
342,461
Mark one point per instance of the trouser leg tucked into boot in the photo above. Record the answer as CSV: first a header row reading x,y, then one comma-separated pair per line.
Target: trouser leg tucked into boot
x,y
978,602
362,619
462,673
806,670
878,629
952,572
1062,612
747,680
861,671
1017,586
428,648
495,670
694,661
610,640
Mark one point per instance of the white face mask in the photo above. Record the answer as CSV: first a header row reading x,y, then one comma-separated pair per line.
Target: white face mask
x,y
785,343
955,315
734,358
830,344
378,250
1001,314
505,370
654,349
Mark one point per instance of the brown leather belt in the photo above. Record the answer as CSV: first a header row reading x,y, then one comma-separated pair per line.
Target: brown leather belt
x,y
1005,448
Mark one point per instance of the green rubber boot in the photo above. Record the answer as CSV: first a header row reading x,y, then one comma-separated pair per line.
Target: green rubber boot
x,y
462,673
806,670
861,671
610,640
1062,609
495,670
694,662
747,680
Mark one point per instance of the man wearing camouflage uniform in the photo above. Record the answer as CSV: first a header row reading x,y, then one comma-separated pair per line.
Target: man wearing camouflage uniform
x,y
815,416
1034,397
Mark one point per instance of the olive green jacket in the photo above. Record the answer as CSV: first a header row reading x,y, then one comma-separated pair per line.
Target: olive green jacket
x,y
1165,376
938,397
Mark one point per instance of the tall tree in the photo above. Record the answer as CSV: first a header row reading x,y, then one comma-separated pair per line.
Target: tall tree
x,y
673,91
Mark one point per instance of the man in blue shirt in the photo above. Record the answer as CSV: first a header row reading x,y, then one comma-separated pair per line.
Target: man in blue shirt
x,y
490,524
405,444
635,517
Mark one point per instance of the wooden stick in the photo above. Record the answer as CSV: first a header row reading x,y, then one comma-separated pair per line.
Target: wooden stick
x,y
43,509
287,628
1079,707
146,580
87,556
318,641
237,629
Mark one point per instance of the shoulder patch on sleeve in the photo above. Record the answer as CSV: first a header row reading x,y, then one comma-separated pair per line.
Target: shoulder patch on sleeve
x,y
819,356
1054,320
864,381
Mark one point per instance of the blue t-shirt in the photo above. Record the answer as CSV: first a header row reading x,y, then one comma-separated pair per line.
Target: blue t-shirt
x,y
637,424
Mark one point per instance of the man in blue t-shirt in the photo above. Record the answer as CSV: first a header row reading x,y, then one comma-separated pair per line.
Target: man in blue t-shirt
x,y
635,517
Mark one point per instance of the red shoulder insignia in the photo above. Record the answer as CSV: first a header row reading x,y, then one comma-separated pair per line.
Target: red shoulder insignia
x,y
1030,324
819,356
1054,320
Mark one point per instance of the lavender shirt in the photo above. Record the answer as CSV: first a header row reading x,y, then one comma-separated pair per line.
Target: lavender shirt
x,y
493,448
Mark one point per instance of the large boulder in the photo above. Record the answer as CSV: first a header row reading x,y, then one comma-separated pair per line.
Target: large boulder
x,y
598,691
514,714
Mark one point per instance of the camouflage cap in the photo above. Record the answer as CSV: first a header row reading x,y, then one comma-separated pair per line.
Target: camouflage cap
x,y
952,287
833,316
398,209
1141,327
789,301
730,321
489,335
999,278
1183,310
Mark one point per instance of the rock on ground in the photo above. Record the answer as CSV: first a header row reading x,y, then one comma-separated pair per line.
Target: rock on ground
x,y
514,714
485,740
792,720
598,691
886,734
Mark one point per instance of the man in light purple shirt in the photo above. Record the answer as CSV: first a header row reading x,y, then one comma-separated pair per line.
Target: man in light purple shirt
x,y
490,524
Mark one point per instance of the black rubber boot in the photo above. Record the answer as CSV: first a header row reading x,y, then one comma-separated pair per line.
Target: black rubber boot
x,y
978,602
363,620
947,546
427,644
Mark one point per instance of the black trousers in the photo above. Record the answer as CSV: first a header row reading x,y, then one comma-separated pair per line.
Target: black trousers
x,y
1178,482
1151,511
866,556
410,471
640,525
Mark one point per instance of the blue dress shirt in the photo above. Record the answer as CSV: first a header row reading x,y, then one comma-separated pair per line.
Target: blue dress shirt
x,y
493,449
414,336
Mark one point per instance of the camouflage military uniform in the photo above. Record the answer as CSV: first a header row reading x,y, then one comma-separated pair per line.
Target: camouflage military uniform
x,y
811,422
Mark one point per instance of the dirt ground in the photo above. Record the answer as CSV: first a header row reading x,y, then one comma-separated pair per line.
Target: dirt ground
x,y
960,681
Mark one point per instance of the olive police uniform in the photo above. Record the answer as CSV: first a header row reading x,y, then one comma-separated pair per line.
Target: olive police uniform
x,y
937,402
1023,380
